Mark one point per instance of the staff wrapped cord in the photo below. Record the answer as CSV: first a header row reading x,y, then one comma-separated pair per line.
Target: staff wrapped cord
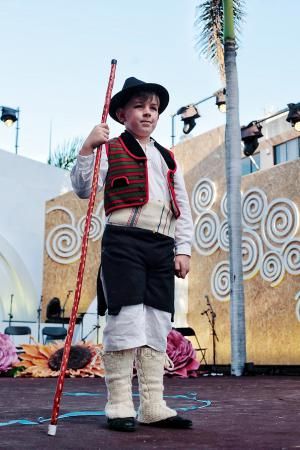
x,y
65,358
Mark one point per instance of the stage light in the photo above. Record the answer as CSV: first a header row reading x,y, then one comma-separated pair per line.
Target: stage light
x,y
294,115
9,116
249,136
190,112
188,115
221,100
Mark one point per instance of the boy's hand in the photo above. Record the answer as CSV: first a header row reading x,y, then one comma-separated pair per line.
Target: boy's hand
x,y
182,265
98,136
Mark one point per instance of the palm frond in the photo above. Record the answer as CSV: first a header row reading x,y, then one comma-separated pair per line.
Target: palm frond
x,y
209,24
65,155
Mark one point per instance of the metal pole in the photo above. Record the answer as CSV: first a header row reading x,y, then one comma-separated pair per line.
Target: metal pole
x,y
50,143
273,115
17,130
173,115
10,316
39,318
173,129
204,100
254,162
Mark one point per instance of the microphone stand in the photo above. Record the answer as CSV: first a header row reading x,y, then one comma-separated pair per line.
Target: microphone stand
x,y
98,328
39,318
10,316
64,306
211,316
95,327
81,315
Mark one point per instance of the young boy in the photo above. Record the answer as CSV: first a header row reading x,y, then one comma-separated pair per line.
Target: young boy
x,y
147,239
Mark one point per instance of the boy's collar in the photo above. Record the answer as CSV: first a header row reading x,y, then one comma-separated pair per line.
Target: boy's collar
x,y
133,145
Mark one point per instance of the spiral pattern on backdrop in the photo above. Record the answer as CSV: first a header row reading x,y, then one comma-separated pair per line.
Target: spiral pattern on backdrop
x,y
272,268
203,195
206,233
280,223
223,236
291,256
269,242
224,209
220,281
100,212
63,244
96,228
252,251
254,206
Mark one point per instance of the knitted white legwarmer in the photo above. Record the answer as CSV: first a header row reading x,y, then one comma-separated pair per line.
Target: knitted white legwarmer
x,y
150,368
118,378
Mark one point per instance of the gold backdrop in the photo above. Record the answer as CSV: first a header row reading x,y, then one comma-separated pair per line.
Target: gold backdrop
x,y
272,324
64,223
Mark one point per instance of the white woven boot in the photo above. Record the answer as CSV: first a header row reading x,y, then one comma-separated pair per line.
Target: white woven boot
x,y
150,368
118,378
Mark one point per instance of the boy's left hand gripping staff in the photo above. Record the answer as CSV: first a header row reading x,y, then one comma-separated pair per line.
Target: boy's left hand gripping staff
x,y
67,347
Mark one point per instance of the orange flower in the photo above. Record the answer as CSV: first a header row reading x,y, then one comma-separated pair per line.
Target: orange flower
x,y
39,360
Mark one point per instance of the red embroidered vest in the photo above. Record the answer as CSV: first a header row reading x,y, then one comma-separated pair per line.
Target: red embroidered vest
x,y
127,177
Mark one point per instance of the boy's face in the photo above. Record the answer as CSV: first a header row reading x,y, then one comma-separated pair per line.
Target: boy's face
x,y
140,115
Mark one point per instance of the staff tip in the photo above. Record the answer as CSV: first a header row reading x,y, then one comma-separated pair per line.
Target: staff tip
x,y
51,430
114,61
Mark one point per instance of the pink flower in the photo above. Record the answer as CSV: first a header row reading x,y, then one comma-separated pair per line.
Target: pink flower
x,y
182,356
8,353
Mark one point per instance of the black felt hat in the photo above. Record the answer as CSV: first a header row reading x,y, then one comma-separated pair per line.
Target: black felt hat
x,y
133,85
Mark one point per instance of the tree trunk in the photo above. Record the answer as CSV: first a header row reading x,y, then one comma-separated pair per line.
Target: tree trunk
x,y
233,175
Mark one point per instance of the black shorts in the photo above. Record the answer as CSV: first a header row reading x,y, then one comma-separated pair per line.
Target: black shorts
x,y
137,267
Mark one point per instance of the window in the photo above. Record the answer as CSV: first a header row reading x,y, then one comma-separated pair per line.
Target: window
x,y
248,166
287,151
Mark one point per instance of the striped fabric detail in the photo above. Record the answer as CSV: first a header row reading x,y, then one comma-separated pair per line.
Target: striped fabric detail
x,y
155,216
171,185
125,183
134,217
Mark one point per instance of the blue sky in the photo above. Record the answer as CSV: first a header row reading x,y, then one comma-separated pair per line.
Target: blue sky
x,y
55,62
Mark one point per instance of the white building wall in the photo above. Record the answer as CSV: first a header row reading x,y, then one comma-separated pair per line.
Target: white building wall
x,y
25,186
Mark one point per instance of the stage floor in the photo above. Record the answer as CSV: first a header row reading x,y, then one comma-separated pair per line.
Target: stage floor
x,y
259,412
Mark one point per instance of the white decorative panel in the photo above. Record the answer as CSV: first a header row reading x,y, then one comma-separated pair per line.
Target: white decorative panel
x,y
291,256
223,236
203,195
224,209
254,205
280,223
269,242
206,233
272,268
220,281
63,242
252,251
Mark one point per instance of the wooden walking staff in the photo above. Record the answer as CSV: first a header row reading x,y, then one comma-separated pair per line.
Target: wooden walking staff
x,y
68,343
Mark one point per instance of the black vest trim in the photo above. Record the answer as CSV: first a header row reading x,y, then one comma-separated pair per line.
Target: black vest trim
x,y
166,155
131,143
136,149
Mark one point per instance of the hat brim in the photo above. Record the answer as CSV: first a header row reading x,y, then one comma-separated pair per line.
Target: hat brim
x,y
121,98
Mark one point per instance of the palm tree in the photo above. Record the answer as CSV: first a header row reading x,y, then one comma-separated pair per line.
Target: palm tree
x,y
217,20
65,156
